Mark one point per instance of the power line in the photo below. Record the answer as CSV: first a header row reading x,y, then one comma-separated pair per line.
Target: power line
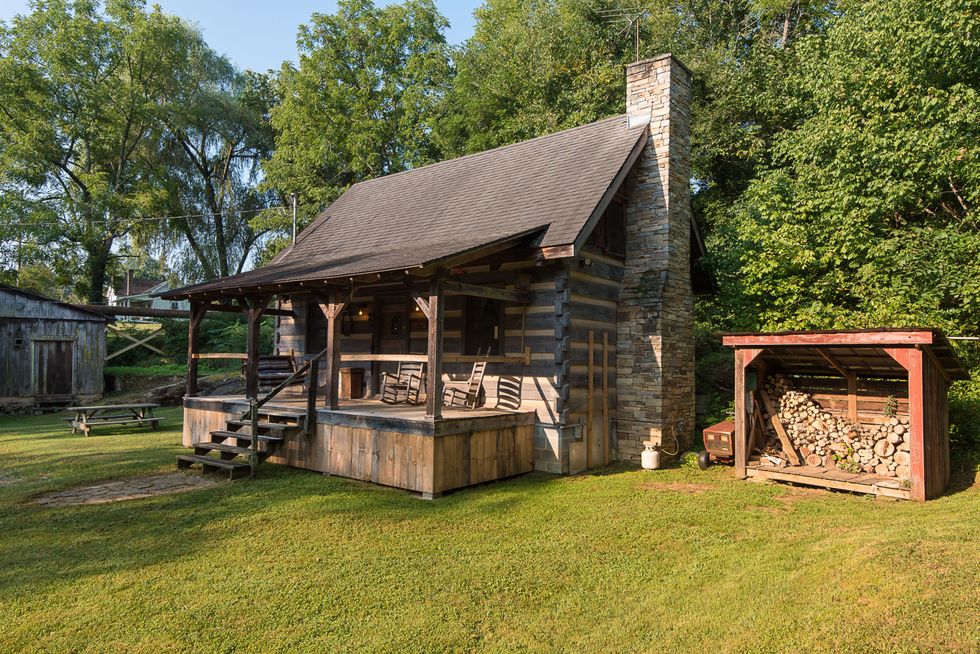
x,y
148,218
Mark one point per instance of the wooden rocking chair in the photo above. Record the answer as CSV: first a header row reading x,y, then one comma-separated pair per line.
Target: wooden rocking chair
x,y
405,385
469,396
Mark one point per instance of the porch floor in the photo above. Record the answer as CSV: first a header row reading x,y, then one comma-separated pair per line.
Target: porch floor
x,y
365,408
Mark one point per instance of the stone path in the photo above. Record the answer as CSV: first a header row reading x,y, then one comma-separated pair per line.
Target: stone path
x,y
127,489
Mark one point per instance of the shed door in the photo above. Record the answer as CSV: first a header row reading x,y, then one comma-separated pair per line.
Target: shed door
x,y
53,367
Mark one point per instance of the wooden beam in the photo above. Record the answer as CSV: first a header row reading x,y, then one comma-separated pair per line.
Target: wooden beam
x,y
907,337
220,355
421,302
433,395
605,398
135,342
780,430
197,313
332,309
590,417
254,309
741,433
377,335
489,292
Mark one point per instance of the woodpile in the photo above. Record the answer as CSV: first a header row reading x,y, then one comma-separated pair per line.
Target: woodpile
x,y
879,446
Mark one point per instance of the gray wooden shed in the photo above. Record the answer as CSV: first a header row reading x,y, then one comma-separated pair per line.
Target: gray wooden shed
x,y
51,352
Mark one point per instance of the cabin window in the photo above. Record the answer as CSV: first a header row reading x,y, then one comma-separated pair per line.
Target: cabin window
x,y
316,329
609,234
483,333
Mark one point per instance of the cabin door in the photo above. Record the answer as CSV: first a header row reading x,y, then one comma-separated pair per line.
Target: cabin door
x,y
52,367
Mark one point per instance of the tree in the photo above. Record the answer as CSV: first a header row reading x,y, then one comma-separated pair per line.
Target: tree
x,y
361,102
80,90
216,134
865,215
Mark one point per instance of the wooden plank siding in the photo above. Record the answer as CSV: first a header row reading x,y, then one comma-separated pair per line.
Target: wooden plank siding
x,y
26,324
408,454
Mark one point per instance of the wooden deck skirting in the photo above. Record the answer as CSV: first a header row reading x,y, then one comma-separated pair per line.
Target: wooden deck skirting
x,y
392,445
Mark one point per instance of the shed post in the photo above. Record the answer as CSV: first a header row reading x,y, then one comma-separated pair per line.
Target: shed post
x,y
433,391
198,309
743,359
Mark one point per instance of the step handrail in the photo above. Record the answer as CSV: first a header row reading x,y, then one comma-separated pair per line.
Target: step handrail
x,y
254,404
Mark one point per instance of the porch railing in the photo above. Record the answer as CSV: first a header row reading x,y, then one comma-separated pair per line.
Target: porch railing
x,y
312,371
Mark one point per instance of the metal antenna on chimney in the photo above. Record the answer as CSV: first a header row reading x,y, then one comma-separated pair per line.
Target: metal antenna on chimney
x,y
632,18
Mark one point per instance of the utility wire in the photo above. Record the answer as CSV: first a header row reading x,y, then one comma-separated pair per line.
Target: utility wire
x,y
146,219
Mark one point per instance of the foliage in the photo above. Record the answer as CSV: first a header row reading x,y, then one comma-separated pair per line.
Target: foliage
x,y
80,91
863,217
510,566
964,417
360,103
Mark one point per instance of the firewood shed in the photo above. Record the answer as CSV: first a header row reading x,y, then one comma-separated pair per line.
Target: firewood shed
x,y
856,410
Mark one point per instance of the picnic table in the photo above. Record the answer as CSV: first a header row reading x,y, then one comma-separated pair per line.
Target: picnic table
x,y
87,417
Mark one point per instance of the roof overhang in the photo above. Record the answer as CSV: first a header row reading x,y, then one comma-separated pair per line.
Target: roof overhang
x,y
862,351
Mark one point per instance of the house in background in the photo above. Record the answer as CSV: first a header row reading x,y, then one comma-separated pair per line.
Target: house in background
x,y
52,352
567,257
143,293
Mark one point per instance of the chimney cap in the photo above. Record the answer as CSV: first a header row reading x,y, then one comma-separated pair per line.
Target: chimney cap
x,y
666,55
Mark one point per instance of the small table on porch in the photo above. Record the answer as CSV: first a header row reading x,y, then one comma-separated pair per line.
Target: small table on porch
x,y
87,417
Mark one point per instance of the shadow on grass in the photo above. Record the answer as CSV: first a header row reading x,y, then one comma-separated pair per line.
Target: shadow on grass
x,y
45,548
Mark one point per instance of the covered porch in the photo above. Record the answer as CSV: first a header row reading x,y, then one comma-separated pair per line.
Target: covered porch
x,y
424,442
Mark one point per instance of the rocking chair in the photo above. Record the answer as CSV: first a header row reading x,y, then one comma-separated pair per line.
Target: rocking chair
x,y
469,396
405,385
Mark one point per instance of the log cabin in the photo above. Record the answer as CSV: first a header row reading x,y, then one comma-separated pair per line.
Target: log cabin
x,y
562,262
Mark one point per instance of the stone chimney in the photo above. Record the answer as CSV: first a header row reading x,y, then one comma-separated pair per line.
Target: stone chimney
x,y
655,335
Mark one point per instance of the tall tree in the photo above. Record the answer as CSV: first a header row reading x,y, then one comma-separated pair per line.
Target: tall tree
x,y
360,103
80,88
216,132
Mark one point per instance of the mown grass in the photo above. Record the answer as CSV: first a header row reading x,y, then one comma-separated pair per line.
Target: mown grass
x,y
623,561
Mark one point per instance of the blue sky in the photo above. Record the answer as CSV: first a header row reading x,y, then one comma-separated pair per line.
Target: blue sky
x,y
260,34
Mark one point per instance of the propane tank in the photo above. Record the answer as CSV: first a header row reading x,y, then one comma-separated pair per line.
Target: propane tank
x,y
650,457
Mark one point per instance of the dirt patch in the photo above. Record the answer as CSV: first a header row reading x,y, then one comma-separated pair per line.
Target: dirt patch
x,y
127,489
6,480
792,495
678,487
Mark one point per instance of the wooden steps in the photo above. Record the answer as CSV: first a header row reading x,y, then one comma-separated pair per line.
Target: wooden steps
x,y
274,426
235,469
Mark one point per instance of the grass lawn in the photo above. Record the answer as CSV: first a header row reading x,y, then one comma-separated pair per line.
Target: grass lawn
x,y
627,560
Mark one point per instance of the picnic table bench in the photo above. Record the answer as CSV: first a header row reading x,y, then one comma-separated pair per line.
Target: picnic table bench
x,y
87,417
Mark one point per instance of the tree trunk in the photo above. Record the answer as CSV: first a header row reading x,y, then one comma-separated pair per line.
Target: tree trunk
x,y
97,253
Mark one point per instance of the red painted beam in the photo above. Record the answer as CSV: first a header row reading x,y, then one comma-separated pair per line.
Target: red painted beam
x,y
924,337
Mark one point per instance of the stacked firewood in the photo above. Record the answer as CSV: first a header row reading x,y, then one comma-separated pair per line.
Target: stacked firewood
x,y
824,439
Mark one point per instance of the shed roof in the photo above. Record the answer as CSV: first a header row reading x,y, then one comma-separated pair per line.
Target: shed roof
x,y
37,297
549,186
859,350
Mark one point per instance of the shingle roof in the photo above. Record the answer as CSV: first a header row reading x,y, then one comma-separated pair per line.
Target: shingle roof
x,y
550,184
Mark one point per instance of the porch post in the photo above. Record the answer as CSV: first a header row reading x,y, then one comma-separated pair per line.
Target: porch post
x,y
433,392
333,356
198,309
254,309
